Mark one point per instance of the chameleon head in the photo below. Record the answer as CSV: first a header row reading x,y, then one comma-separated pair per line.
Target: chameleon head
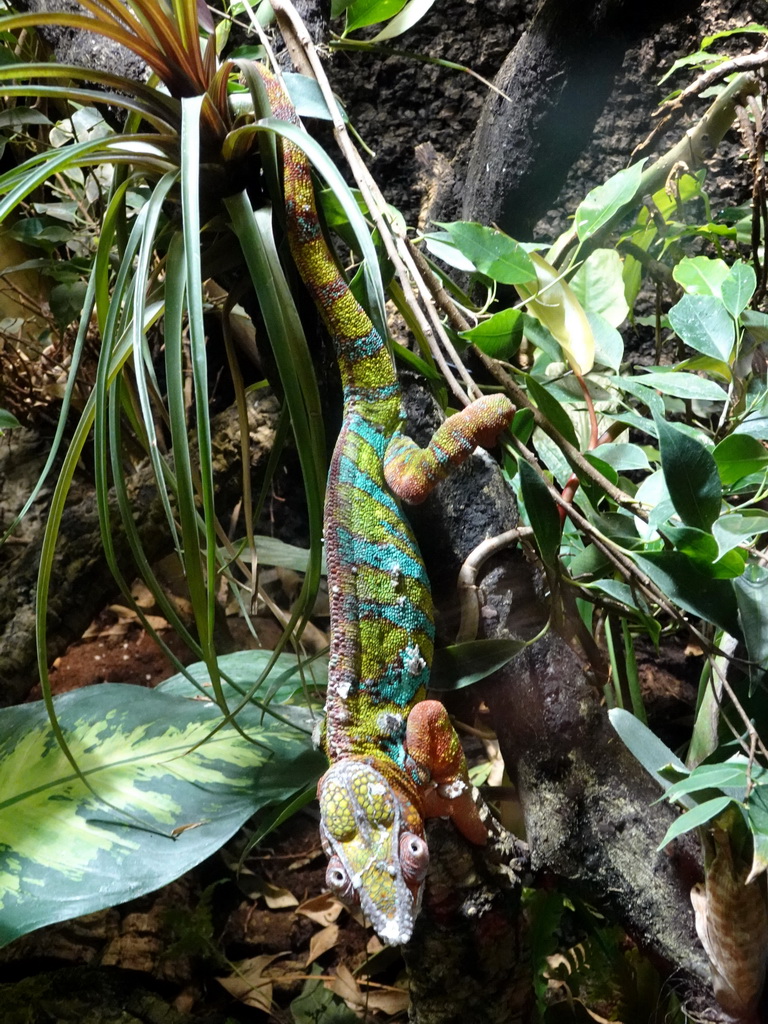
x,y
374,839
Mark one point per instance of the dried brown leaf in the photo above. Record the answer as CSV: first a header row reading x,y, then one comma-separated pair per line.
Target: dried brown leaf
x,y
322,941
323,909
277,898
391,1002
248,983
346,987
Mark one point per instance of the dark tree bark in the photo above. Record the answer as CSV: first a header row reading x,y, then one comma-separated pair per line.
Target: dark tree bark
x,y
84,49
557,78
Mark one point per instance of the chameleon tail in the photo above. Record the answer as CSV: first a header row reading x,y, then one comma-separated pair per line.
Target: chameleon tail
x,y
364,359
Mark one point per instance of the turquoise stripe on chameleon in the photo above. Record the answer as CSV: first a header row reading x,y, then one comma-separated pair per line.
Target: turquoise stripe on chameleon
x,y
358,551
399,615
398,686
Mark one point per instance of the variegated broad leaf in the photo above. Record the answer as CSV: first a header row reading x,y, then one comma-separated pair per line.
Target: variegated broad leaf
x,y
66,850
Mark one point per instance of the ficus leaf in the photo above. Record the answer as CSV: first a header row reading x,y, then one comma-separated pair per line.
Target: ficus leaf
x,y
678,578
460,665
491,251
703,322
542,513
500,335
691,475
603,202
737,456
550,299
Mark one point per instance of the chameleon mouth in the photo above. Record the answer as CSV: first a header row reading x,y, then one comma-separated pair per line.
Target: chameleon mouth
x,y
388,903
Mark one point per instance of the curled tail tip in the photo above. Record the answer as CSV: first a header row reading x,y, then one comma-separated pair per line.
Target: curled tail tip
x,y
494,414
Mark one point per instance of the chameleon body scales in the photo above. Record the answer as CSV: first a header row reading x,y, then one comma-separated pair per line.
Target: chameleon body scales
x,y
395,757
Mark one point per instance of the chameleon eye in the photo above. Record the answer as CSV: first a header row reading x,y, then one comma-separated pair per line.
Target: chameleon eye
x,y
339,882
414,857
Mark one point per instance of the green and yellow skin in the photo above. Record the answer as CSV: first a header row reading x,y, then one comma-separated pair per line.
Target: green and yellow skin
x,y
395,757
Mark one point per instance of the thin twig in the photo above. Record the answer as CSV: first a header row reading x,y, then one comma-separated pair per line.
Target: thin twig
x,y
671,111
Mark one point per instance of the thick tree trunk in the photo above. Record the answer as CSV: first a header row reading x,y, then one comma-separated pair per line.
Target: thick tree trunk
x,y
556,81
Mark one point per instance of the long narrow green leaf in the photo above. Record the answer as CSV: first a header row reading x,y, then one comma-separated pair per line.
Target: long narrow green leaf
x,y
289,346
94,97
97,26
144,97
35,171
698,815
150,215
190,198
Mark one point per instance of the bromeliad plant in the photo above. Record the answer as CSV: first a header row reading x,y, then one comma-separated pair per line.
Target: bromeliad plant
x,y
182,138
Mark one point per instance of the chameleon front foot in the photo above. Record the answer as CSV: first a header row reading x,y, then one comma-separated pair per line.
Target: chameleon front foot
x,y
433,744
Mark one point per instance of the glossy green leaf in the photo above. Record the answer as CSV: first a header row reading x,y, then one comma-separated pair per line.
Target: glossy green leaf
x,y
307,97
703,322
550,299
645,745
623,456
706,364
710,776
369,12
738,288
440,245
599,286
752,598
492,252
755,324
699,275
460,665
542,513
16,117
170,803
691,475
698,815
738,528
7,420
681,582
757,819
739,455
605,201
500,335
682,385
609,344
702,548
552,409
410,15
